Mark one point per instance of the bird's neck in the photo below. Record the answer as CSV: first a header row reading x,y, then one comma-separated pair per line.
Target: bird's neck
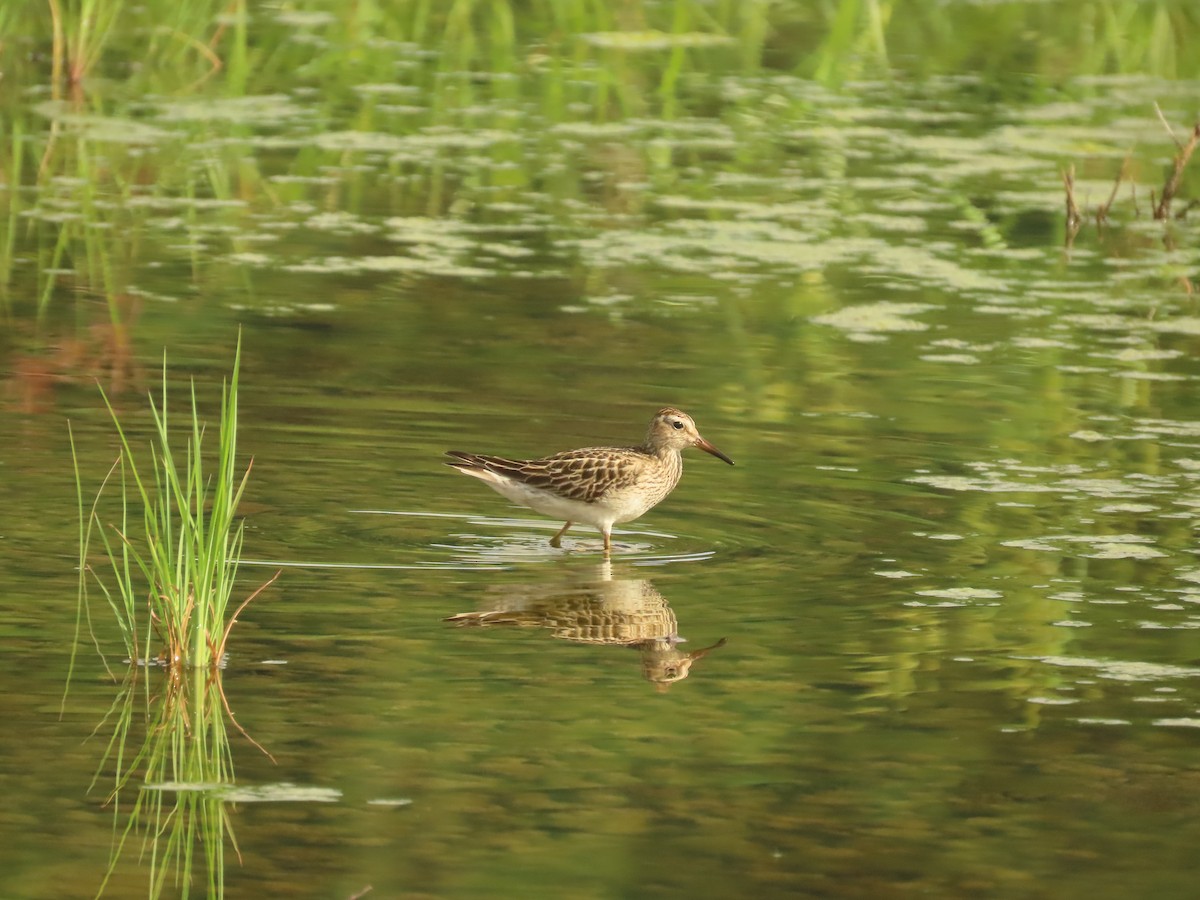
x,y
663,452
672,461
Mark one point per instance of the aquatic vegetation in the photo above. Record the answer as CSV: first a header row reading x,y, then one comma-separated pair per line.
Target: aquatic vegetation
x,y
184,756
84,32
171,570
868,320
635,138
1160,203
168,577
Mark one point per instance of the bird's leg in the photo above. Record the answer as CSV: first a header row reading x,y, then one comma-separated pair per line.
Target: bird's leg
x,y
556,541
607,542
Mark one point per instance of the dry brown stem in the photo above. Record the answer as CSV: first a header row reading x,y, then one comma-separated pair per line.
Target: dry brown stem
x,y
1162,209
1074,217
1102,210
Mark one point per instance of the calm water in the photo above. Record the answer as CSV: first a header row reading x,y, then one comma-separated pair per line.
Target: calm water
x,y
939,619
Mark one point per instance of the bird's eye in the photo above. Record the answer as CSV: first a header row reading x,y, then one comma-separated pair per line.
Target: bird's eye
x,y
677,424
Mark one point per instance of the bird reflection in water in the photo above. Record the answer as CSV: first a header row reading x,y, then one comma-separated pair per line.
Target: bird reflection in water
x,y
624,612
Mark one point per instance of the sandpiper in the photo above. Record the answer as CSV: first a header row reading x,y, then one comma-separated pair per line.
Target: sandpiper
x,y
598,486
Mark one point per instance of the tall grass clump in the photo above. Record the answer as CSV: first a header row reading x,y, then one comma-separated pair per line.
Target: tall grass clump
x,y
161,542
171,556
79,30
84,34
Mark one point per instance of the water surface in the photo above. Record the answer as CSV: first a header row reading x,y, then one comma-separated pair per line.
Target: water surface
x,y
954,570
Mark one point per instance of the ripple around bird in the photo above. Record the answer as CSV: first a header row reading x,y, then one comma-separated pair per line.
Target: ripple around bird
x,y
490,541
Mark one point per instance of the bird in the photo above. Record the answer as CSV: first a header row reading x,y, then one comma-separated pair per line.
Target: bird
x,y
597,486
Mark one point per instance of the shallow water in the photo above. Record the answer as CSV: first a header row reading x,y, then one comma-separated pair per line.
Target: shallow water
x,y
933,633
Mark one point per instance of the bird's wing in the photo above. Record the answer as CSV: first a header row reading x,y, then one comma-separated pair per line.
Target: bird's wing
x,y
585,475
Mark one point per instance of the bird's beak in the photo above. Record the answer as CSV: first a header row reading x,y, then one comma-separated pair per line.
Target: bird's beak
x,y
709,448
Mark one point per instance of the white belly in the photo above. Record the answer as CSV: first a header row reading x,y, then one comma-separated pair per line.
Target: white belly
x,y
624,506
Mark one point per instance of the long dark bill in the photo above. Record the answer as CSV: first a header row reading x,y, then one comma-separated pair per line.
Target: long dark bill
x,y
709,448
